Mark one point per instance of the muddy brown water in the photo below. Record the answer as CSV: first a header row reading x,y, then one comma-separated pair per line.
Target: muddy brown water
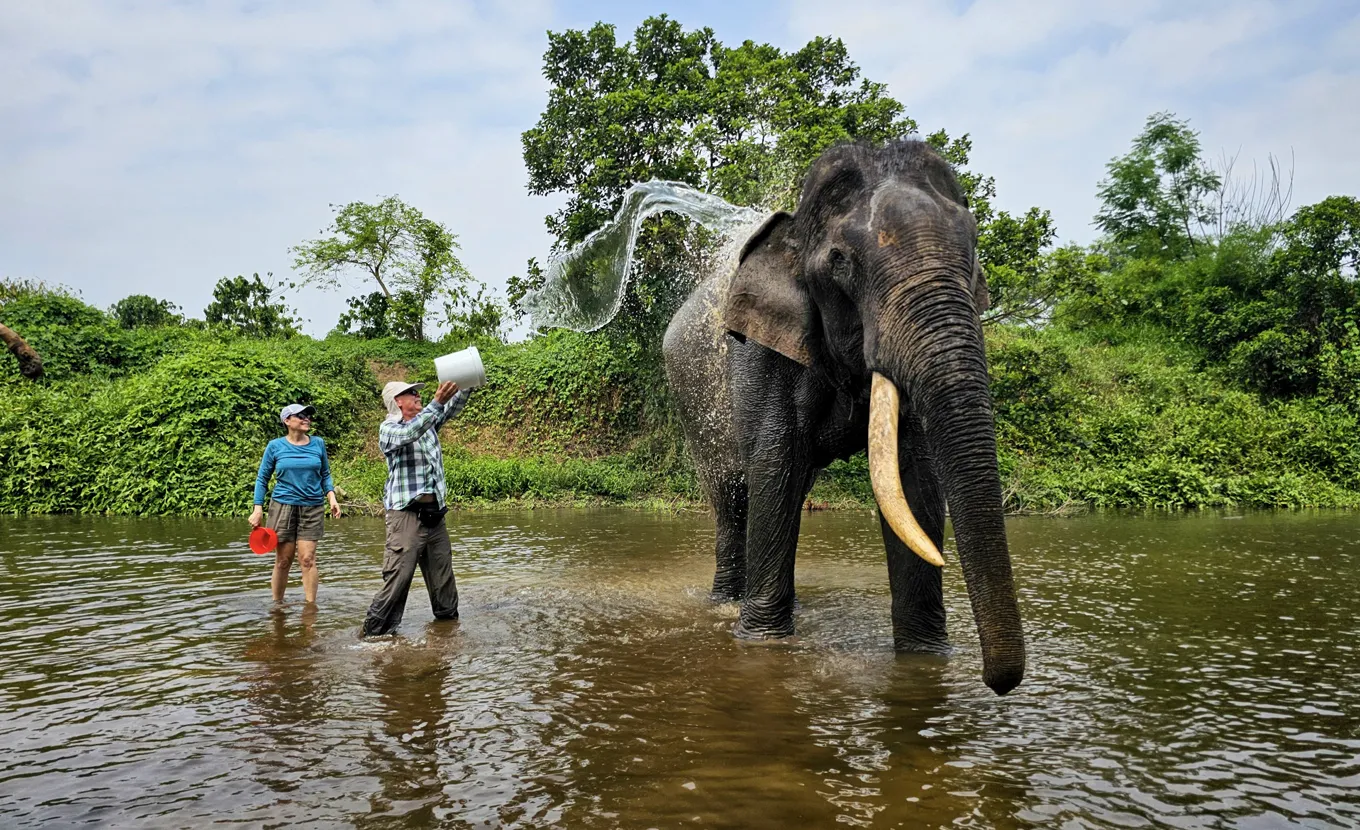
x,y
1187,671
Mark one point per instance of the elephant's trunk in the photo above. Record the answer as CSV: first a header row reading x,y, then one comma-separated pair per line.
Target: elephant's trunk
x,y
30,364
931,346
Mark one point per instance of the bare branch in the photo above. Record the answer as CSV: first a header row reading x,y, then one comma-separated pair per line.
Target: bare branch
x,y
1260,201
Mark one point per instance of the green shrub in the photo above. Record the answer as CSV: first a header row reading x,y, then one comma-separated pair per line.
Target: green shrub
x,y
140,310
1141,423
182,437
71,337
562,392
1029,387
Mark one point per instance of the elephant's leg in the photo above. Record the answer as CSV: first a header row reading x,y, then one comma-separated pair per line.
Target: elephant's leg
x,y
696,354
918,614
777,484
729,508
917,596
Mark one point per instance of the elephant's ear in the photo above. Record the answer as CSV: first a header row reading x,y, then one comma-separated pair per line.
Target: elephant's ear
x,y
766,302
982,298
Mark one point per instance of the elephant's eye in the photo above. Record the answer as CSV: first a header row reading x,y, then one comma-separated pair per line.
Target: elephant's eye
x,y
839,265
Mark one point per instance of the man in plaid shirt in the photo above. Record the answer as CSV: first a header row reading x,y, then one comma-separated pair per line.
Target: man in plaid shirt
x,y
414,501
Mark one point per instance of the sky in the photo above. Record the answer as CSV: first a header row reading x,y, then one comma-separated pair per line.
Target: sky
x,y
155,147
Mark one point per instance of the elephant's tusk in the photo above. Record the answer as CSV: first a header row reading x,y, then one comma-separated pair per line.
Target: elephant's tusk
x,y
885,475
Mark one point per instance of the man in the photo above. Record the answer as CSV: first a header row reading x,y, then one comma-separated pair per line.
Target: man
x,y
414,501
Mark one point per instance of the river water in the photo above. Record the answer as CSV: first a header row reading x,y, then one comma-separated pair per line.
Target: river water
x,y
1188,671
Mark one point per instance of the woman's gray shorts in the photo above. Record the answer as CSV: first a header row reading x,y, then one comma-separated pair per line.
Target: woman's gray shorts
x,y
295,522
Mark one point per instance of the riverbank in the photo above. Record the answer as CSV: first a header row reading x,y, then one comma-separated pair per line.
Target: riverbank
x,y
485,482
172,421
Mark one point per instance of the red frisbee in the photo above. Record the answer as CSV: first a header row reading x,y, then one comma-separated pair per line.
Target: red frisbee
x,y
263,539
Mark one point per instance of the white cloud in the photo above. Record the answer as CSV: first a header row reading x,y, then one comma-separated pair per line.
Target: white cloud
x,y
1051,91
155,148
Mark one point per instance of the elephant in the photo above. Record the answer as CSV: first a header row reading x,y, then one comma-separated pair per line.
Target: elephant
x,y
853,323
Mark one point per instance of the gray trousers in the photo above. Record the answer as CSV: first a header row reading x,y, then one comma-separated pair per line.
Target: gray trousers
x,y
409,543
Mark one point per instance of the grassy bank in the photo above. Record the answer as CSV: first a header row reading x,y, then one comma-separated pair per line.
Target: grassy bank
x,y
173,421
1129,418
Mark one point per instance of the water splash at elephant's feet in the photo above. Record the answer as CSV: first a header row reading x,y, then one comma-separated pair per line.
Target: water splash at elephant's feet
x,y
744,630
937,648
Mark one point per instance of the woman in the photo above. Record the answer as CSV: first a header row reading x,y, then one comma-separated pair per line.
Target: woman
x,y
302,486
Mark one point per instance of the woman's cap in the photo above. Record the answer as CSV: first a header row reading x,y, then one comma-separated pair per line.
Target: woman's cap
x,y
295,409
395,388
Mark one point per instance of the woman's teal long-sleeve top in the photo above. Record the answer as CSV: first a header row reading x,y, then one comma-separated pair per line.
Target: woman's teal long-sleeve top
x,y
303,473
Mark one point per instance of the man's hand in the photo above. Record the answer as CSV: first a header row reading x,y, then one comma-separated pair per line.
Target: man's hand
x,y
446,391
255,516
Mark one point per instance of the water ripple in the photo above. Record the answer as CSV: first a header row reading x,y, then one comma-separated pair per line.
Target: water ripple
x,y
1185,672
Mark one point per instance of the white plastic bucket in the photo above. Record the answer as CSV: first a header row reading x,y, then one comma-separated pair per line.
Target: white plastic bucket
x,y
463,368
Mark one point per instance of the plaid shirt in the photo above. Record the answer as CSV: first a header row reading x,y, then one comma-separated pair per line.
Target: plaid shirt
x,y
415,464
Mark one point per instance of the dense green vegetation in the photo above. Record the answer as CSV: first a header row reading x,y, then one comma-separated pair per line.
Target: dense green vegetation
x,y
173,419
1205,352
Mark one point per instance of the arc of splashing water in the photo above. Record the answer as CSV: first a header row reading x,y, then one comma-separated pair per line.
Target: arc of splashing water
x,y
583,287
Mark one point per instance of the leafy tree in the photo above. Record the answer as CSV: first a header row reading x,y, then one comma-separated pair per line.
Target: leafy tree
x,y
143,311
1313,298
410,257
477,316
742,122
1157,199
1322,241
248,306
1277,307
366,317
406,315
517,287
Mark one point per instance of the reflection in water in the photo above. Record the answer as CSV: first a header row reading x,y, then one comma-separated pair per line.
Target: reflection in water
x,y
1184,671
287,695
409,689
283,682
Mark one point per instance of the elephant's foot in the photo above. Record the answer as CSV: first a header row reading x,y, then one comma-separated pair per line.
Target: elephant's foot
x,y
742,632
727,589
754,625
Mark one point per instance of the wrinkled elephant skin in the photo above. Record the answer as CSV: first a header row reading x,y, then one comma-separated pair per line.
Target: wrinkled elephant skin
x,y
872,284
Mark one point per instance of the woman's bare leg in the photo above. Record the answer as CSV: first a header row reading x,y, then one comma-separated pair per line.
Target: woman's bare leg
x,y
283,562
306,553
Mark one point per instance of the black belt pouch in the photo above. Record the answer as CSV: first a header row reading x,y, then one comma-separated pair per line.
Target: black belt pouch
x,y
429,513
